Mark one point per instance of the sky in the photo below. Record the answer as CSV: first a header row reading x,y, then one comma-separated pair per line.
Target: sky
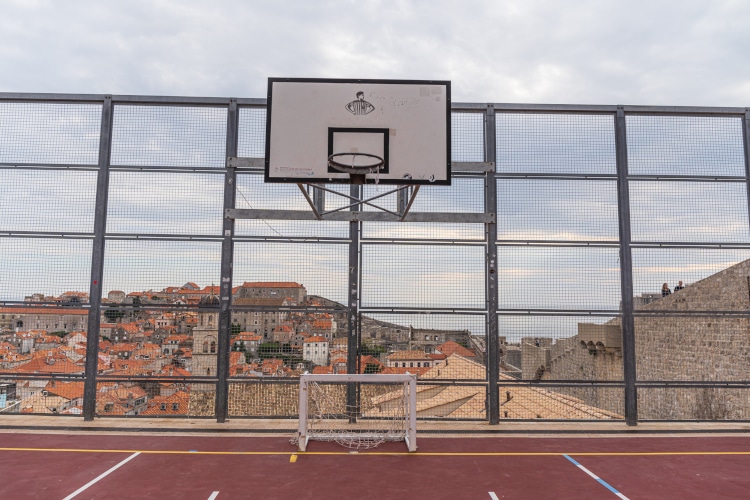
x,y
653,52
529,52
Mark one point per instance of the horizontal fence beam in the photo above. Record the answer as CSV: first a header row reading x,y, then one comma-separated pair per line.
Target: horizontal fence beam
x,y
354,216
457,106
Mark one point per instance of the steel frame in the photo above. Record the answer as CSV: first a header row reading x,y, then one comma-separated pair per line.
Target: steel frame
x,y
355,216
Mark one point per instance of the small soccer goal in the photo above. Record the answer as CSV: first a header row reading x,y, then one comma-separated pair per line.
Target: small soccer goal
x,y
383,409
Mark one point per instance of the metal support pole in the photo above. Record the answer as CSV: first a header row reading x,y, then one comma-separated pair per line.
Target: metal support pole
x,y
227,254
402,199
319,199
353,303
626,270
97,262
492,334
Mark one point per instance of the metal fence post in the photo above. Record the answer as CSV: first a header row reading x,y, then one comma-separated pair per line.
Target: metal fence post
x,y
97,262
626,270
492,334
227,255
746,148
353,301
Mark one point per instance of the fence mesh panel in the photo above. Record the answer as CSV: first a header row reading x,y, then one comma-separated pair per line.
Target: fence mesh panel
x,y
169,136
559,144
540,277
47,200
687,212
557,210
423,276
565,278
251,141
685,145
165,203
49,133
43,269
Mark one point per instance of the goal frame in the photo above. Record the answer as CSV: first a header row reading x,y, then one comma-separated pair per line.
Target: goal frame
x,y
407,379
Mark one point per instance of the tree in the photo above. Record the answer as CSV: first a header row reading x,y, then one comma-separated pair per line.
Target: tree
x,y
371,349
113,315
235,329
372,368
269,350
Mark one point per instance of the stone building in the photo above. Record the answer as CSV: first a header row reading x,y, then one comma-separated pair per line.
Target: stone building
x,y
273,290
50,318
263,321
315,350
674,344
205,339
428,339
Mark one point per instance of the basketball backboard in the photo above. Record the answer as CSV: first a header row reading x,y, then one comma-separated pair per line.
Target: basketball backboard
x,y
406,123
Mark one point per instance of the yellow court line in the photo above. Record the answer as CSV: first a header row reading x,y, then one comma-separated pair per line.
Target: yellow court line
x,y
375,453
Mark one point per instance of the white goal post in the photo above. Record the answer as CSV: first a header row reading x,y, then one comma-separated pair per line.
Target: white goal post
x,y
363,428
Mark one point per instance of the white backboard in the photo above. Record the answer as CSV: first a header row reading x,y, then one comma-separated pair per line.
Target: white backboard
x,y
405,122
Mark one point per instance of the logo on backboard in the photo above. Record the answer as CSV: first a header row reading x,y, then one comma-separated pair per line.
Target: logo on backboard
x,y
360,106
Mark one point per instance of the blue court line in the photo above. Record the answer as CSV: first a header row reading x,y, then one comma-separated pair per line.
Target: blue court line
x,y
601,481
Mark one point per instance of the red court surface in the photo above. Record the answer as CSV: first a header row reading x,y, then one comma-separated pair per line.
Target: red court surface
x,y
55,466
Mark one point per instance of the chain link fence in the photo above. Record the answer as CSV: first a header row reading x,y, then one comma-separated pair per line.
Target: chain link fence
x,y
587,263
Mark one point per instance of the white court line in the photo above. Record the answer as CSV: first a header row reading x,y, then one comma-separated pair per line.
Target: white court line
x,y
600,480
213,495
493,496
102,476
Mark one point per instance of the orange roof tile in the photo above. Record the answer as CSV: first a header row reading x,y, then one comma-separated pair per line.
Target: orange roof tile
x,y
315,338
271,284
408,355
451,347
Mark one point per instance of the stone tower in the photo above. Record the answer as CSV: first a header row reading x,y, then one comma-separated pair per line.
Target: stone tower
x,y
206,337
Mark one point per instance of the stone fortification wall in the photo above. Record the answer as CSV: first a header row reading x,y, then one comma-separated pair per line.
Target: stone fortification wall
x,y
674,347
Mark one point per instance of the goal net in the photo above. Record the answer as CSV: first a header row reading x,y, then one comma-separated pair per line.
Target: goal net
x,y
385,410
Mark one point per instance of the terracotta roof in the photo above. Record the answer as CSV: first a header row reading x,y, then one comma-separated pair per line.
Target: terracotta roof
x,y
39,403
51,365
74,311
469,401
401,370
408,355
247,336
271,284
315,338
68,390
165,405
451,347
171,370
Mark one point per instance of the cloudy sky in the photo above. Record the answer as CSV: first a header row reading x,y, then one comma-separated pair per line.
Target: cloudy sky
x,y
525,51
531,51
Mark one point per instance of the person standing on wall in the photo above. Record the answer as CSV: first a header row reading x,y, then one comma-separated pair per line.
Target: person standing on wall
x,y
665,290
678,287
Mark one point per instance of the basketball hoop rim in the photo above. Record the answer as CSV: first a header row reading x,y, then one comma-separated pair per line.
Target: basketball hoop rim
x,y
359,169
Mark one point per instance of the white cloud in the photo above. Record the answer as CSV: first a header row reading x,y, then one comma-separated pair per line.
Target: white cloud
x,y
535,51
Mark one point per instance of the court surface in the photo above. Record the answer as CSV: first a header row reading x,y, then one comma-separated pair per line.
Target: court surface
x,y
93,465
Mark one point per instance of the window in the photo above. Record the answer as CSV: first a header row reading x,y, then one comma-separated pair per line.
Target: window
x,y
175,406
205,346
163,406
213,346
